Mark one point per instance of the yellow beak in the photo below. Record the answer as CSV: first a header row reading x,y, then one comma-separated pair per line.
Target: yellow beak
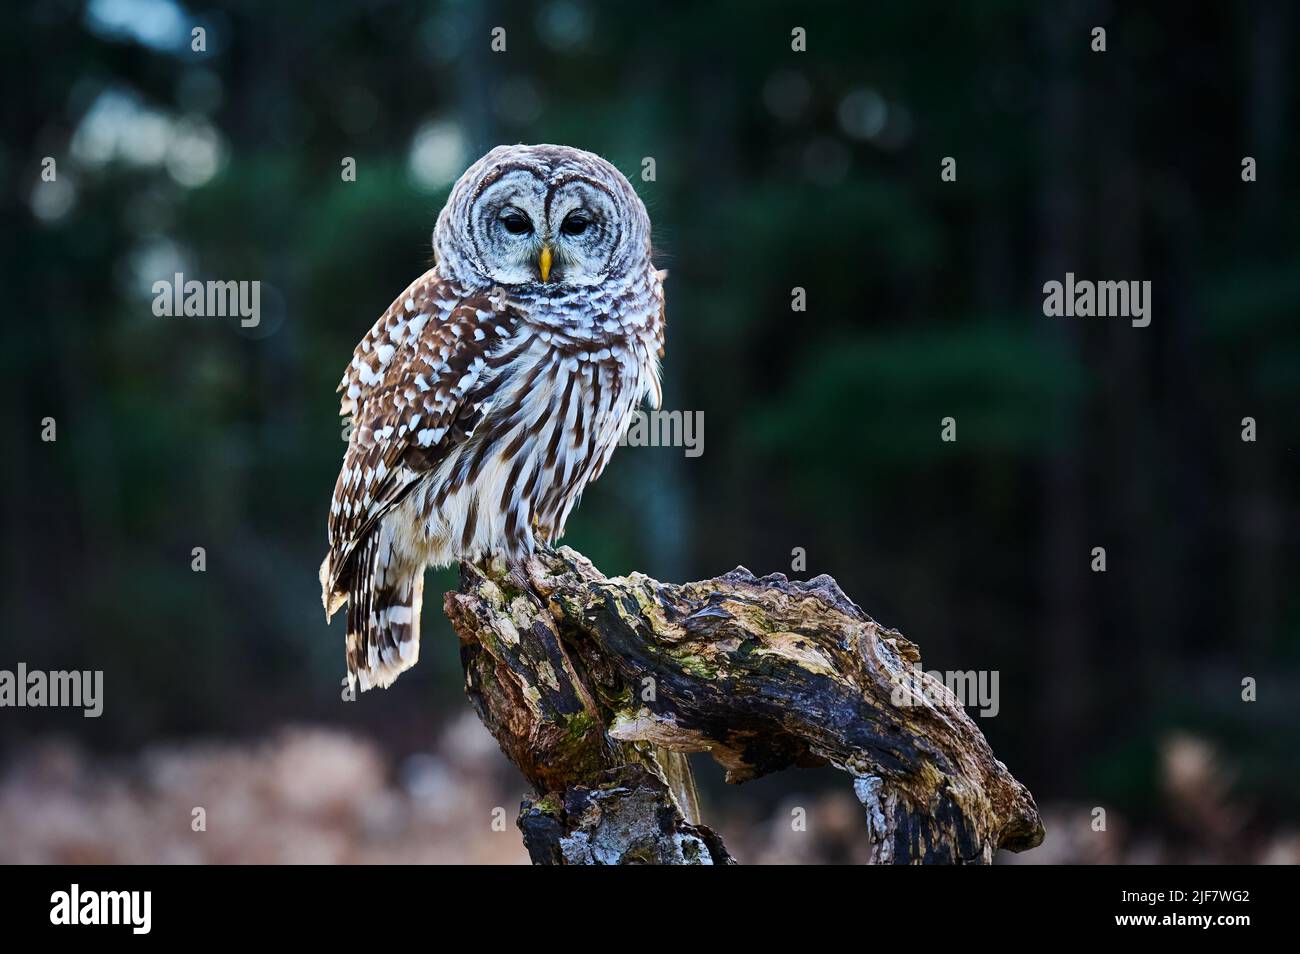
x,y
544,262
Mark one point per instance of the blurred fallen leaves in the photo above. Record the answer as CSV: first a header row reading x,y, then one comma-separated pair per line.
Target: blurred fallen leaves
x,y
303,796
310,795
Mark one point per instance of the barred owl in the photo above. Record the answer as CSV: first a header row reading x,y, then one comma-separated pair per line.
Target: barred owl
x,y
493,390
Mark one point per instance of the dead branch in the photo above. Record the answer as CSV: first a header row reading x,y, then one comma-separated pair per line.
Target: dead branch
x,y
591,684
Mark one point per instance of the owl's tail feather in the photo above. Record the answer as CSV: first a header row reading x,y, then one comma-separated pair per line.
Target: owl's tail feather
x,y
384,601
330,595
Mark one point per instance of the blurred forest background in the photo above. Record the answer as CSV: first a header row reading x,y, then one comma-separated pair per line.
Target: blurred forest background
x,y
774,169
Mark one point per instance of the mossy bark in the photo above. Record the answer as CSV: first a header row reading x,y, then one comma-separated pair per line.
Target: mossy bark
x,y
579,677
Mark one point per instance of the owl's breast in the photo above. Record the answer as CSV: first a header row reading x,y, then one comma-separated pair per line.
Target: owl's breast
x,y
548,420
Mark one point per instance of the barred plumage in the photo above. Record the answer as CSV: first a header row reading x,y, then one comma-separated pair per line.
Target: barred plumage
x,y
493,390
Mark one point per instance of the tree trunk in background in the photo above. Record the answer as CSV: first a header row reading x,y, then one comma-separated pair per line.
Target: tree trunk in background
x,y
1066,549
1259,515
1138,565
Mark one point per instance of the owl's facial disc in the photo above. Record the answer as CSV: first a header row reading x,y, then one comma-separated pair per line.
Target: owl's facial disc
x,y
506,226
584,226
526,229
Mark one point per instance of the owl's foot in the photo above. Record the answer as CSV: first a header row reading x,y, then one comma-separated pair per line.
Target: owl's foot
x,y
492,564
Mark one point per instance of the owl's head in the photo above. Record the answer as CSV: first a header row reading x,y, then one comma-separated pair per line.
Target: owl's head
x,y
543,216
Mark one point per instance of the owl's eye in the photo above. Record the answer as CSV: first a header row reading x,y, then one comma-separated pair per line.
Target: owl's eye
x,y
516,222
575,223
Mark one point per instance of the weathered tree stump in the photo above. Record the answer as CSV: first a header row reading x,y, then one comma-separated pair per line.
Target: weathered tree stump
x,y
595,688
